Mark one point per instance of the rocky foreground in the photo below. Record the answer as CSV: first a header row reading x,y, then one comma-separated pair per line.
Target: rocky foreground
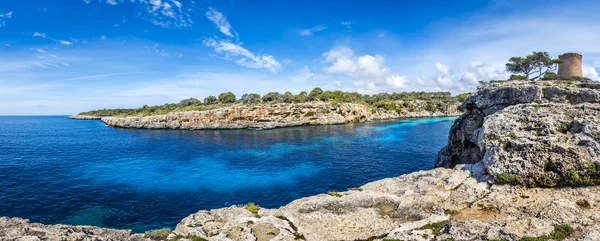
x,y
495,183
268,116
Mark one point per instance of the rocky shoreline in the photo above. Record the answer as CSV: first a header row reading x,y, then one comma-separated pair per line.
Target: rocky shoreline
x,y
84,117
269,116
489,184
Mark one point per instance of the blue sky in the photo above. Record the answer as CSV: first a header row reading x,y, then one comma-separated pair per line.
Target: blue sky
x,y
63,57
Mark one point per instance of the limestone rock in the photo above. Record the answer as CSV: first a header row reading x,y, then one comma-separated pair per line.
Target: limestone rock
x,y
543,133
269,116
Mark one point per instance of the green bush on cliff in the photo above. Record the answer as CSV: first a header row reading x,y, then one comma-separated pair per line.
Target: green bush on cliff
x,y
226,97
505,178
462,97
560,232
252,207
210,100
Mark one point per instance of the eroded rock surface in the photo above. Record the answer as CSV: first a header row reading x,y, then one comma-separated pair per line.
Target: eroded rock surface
x,y
268,116
536,133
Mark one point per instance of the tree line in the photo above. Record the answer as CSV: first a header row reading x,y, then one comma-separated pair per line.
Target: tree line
x,y
316,94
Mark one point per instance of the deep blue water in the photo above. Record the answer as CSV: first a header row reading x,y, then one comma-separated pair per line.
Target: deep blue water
x,y
55,170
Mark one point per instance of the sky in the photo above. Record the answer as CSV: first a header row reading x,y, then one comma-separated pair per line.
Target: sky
x,y
67,56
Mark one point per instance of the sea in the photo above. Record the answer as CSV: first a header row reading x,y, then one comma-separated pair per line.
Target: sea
x,y
57,170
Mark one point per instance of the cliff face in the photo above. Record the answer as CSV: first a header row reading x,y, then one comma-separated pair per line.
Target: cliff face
x,y
267,116
536,133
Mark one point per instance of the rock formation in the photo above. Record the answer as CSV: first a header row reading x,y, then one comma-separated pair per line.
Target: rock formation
x,y
268,116
515,132
536,133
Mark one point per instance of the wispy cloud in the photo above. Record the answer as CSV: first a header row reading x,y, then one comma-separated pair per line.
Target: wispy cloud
x,y
220,20
41,35
243,56
3,17
348,25
164,13
311,31
63,42
233,50
104,75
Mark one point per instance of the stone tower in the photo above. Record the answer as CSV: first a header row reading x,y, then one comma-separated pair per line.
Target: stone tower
x,y
571,65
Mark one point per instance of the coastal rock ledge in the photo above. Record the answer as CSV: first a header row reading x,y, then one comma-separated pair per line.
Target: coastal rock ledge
x,y
470,198
84,117
269,116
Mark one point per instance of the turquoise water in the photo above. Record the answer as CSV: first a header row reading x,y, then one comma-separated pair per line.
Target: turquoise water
x,y
55,170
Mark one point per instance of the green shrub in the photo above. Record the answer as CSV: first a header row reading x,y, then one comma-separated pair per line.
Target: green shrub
x,y
160,234
505,178
334,194
227,97
550,76
573,179
505,144
252,207
512,135
436,228
560,232
430,107
593,169
462,97
517,77
310,113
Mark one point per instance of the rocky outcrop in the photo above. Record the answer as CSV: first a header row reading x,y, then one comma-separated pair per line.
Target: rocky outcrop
x,y
84,117
534,133
268,116
23,230
441,204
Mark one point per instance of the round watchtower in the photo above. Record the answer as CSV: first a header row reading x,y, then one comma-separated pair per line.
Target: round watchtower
x,y
571,65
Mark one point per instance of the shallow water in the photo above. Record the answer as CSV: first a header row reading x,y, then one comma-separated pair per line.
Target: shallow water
x,y
55,170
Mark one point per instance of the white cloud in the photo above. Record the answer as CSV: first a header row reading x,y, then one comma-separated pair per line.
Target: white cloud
x,y
243,56
369,73
441,68
220,20
41,35
590,72
103,37
234,50
311,31
111,2
63,42
347,24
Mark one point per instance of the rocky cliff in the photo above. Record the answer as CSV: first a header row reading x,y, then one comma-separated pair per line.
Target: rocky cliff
x,y
268,116
532,133
520,133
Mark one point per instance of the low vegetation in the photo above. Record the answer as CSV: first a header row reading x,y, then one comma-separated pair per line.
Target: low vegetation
x,y
560,232
252,207
388,101
160,234
505,178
